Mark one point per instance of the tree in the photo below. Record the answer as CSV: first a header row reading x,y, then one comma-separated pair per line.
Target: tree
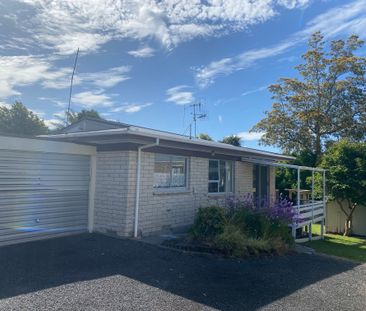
x,y
286,178
345,163
327,102
205,137
232,140
18,120
72,117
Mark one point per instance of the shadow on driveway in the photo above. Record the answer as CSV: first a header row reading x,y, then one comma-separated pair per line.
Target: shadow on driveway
x,y
224,284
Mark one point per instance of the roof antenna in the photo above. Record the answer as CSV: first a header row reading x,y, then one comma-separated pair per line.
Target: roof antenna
x,y
196,114
71,83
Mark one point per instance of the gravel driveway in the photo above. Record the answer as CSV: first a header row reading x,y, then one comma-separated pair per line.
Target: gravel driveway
x,y
94,272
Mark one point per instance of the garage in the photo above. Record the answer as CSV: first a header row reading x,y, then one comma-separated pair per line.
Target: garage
x,y
45,189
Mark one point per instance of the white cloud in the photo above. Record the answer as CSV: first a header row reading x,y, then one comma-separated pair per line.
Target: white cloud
x,y
179,95
130,108
52,123
20,71
102,79
345,20
144,52
91,99
250,136
219,118
259,89
65,25
292,4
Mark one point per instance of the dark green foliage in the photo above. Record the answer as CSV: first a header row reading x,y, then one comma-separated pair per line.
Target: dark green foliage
x,y
232,140
241,232
345,163
209,222
18,120
205,136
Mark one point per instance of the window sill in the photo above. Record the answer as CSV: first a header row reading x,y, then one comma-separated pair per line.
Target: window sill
x,y
220,194
171,191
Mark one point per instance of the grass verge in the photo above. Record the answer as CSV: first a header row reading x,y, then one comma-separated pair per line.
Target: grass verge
x,y
338,245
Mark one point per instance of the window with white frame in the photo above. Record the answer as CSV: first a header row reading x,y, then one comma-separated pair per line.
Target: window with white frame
x,y
170,171
220,176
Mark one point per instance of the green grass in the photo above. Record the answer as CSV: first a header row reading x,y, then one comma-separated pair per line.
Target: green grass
x,y
337,245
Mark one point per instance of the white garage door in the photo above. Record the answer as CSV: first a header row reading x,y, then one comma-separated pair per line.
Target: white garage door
x,y
42,195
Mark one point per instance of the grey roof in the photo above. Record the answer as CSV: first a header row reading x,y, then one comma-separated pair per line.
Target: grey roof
x,y
102,132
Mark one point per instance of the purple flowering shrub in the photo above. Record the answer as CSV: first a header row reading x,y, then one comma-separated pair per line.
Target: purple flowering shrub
x,y
281,209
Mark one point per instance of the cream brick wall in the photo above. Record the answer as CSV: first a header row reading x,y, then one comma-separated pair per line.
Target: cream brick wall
x,y
159,210
243,177
111,192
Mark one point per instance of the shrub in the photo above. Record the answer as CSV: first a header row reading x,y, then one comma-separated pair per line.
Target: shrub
x,y
231,242
209,222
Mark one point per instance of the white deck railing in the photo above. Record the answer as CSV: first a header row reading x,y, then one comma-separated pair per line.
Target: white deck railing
x,y
308,214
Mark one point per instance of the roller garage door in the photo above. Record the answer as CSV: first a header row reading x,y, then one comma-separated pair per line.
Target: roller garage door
x,y
42,195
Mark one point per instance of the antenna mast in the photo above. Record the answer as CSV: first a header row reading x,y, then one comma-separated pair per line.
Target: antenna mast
x,y
197,114
71,83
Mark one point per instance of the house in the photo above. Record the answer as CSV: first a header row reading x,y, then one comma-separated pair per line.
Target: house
x,y
124,180
158,179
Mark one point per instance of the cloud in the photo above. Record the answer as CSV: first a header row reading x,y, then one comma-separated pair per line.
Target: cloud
x,y
21,71
101,79
130,108
143,52
52,124
219,118
65,25
179,95
344,20
292,4
250,136
259,89
92,99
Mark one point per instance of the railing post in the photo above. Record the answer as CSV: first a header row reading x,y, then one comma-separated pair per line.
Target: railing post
x,y
324,208
312,206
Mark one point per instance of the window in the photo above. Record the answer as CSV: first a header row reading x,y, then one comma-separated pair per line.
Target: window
x,y
170,171
220,177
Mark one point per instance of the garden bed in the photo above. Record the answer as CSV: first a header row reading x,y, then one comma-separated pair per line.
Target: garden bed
x,y
240,229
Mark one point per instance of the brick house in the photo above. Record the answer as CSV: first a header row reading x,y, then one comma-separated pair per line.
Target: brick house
x,y
148,180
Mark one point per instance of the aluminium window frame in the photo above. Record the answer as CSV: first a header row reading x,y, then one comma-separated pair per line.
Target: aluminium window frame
x,y
186,174
218,180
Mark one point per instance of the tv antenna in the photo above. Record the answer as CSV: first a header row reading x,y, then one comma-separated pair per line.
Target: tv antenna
x,y
197,114
71,84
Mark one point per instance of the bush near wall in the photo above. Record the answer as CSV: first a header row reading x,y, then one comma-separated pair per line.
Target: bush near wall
x,y
242,229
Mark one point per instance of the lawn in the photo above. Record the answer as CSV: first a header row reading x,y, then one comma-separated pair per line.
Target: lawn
x,y
337,245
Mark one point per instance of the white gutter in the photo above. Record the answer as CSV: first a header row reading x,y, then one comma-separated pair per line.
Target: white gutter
x,y
138,178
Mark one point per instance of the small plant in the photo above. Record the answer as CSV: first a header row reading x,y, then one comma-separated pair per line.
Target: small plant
x,y
210,222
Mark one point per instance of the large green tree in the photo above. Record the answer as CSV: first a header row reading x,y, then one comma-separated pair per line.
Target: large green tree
x,y
345,163
18,120
325,103
232,140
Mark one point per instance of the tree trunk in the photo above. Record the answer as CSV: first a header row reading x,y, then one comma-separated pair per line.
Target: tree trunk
x,y
348,221
318,149
348,226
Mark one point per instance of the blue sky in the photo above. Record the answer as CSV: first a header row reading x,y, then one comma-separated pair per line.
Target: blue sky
x,y
145,62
